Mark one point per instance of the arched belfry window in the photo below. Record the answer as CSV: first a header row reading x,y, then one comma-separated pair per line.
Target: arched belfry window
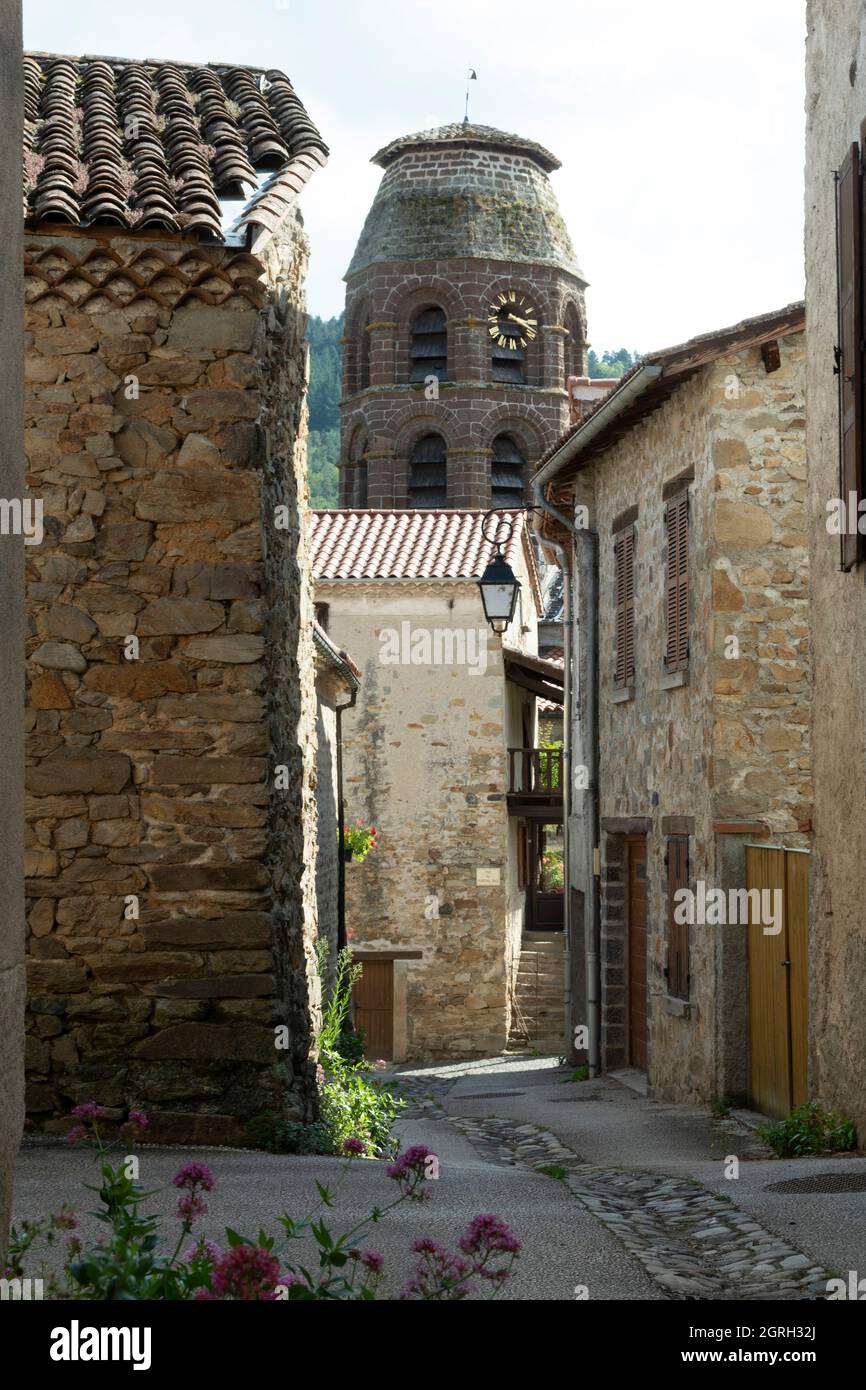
x,y
428,348
574,344
428,472
507,472
508,362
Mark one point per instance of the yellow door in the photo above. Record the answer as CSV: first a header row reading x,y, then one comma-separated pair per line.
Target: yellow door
x,y
778,982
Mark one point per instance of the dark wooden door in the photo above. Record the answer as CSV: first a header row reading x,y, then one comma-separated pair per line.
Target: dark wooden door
x,y
637,974
545,898
374,1008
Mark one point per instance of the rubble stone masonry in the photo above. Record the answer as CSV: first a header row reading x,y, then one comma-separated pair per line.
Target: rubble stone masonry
x,y
171,922
730,745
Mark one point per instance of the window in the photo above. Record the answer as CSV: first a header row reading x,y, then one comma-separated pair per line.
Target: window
x,y
428,350
574,345
321,611
507,472
428,473
359,489
849,353
677,582
677,969
624,590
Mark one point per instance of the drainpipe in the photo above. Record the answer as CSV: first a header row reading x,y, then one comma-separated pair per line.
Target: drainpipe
x,y
341,814
565,769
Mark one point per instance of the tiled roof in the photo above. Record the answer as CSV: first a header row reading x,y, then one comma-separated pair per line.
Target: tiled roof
x,y
625,406
466,133
408,544
157,145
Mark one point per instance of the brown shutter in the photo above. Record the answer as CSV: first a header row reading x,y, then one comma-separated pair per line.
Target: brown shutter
x,y
677,582
678,933
624,565
849,252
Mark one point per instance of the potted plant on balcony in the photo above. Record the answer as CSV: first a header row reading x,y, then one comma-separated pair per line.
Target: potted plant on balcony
x,y
358,841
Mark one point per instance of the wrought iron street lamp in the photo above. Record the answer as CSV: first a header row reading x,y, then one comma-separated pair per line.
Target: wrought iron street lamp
x,y
499,584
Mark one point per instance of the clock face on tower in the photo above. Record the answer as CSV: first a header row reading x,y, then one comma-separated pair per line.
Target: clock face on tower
x,y
512,321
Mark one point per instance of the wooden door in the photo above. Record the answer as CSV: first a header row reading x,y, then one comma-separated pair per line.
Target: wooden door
x,y
637,971
374,1008
778,981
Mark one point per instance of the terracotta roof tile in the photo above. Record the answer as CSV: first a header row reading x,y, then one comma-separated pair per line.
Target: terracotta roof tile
x,y
157,145
407,544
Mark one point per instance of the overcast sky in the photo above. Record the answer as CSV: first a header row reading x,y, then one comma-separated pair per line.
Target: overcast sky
x,y
679,125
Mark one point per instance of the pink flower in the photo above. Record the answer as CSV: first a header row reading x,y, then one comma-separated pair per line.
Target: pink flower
x,y
320,1074
137,1119
202,1250
65,1220
438,1274
247,1272
486,1235
89,1111
77,1132
409,1169
193,1175
373,1260
190,1206
355,1148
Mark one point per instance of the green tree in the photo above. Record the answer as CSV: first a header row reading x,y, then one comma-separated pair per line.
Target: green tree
x,y
612,364
326,354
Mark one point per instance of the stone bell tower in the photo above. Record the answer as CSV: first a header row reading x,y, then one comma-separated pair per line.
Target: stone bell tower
x,y
465,314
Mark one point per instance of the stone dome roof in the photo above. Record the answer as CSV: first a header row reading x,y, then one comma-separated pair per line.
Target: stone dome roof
x,y
464,191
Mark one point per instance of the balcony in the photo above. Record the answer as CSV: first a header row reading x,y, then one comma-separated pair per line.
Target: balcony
x,y
535,782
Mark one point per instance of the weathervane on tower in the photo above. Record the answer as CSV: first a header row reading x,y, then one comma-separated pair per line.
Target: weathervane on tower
x,y
472,76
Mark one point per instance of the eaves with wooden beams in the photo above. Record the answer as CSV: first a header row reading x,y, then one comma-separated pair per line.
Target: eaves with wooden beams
x,y
646,387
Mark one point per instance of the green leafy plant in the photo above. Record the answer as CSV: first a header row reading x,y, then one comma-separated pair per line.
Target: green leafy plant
x,y
810,1129
128,1263
580,1074
553,1170
360,839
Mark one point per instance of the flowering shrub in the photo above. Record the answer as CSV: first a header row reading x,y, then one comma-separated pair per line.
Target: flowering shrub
x,y
126,1264
360,839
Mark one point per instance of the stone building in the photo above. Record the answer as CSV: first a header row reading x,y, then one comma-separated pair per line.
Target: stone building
x,y
687,486
464,316
12,986
836,108
171,821
440,755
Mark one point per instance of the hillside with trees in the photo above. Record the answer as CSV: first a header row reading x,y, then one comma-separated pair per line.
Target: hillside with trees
x,y
323,445
612,363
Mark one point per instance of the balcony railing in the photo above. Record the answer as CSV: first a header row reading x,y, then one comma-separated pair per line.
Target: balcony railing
x,y
535,771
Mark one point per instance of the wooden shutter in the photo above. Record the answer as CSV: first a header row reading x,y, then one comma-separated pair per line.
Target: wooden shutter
x,y
677,971
849,271
677,582
624,566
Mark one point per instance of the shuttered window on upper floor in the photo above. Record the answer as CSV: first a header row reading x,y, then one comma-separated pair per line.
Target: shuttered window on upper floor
x,y
677,582
624,589
428,350
849,351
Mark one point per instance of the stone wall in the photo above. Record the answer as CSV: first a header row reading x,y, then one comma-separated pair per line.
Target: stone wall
x,y
12,987
425,762
730,743
835,106
171,919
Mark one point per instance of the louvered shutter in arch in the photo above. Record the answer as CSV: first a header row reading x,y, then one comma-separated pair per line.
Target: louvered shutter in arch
x,y
428,351
677,582
849,263
507,473
428,472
